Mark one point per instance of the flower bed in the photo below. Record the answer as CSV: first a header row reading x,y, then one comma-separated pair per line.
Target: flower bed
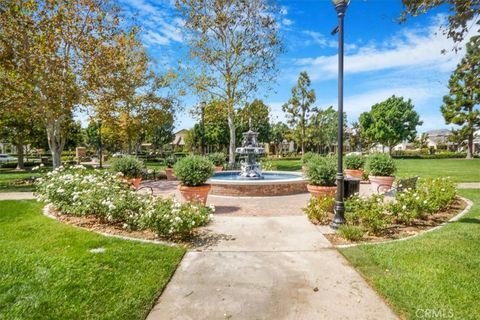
x,y
377,218
103,195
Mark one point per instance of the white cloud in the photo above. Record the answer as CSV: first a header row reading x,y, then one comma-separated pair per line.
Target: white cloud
x,y
287,22
408,49
161,27
318,39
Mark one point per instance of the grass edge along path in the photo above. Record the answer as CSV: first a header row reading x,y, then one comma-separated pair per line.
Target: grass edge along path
x,y
47,270
429,276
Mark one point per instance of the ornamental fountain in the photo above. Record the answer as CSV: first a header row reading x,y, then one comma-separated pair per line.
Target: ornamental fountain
x,y
249,151
250,181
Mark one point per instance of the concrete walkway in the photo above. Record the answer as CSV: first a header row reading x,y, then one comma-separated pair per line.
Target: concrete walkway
x,y
267,268
468,185
16,195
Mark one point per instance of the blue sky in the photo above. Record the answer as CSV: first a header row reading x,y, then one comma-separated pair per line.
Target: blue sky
x,y
382,56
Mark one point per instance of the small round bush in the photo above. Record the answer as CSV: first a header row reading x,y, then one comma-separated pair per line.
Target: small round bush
x,y
217,158
354,162
352,233
308,156
320,209
193,170
381,164
321,171
130,166
170,162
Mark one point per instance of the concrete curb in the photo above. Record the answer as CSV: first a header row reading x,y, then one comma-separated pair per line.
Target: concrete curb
x,y
453,219
47,209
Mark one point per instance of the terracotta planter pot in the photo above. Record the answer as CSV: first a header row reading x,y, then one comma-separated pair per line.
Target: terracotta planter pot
x,y
169,174
318,191
381,184
136,182
351,173
197,194
218,168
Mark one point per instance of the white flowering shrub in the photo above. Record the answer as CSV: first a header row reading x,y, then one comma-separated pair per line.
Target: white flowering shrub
x,y
103,194
368,212
169,218
430,196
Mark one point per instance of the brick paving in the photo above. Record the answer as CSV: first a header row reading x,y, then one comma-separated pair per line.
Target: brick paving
x,y
244,206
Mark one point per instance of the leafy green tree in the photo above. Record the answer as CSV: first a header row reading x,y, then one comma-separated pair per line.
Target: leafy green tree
x,y
323,128
421,142
18,126
391,122
357,139
280,132
463,14
460,106
298,107
258,112
75,135
46,47
234,44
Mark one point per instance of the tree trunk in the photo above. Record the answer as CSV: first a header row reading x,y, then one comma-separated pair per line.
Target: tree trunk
x,y
20,163
232,145
56,141
470,146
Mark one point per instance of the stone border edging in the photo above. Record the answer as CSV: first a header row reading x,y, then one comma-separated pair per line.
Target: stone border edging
x,y
454,218
46,212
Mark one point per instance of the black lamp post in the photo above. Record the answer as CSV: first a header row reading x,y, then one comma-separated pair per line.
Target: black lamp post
x,y
100,144
202,107
339,219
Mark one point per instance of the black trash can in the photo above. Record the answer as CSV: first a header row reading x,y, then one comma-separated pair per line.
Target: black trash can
x,y
351,186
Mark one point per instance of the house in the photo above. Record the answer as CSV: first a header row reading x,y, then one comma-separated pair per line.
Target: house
x,y
179,140
438,138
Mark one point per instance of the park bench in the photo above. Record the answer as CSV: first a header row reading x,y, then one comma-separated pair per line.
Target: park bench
x,y
400,185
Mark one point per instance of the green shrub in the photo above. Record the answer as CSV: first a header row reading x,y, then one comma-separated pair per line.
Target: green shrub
x,y
266,165
217,158
381,164
430,196
81,192
319,209
168,218
350,232
129,166
308,156
321,171
369,213
354,162
170,162
193,170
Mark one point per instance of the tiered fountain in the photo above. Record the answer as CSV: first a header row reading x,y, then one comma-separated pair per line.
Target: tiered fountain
x,y
250,180
249,151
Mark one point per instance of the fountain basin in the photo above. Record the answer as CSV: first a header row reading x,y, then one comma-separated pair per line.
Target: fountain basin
x,y
274,183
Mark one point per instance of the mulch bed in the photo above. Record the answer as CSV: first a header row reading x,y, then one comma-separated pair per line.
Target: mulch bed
x,y
201,239
399,231
96,224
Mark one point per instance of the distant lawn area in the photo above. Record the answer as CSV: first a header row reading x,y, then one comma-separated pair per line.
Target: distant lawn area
x,y
460,170
9,176
435,272
48,272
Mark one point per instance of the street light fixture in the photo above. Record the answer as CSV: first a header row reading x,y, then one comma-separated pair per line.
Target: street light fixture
x,y
100,144
339,219
202,107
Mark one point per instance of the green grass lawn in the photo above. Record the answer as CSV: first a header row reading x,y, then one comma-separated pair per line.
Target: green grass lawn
x,y
8,177
286,165
436,271
159,166
460,170
48,272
